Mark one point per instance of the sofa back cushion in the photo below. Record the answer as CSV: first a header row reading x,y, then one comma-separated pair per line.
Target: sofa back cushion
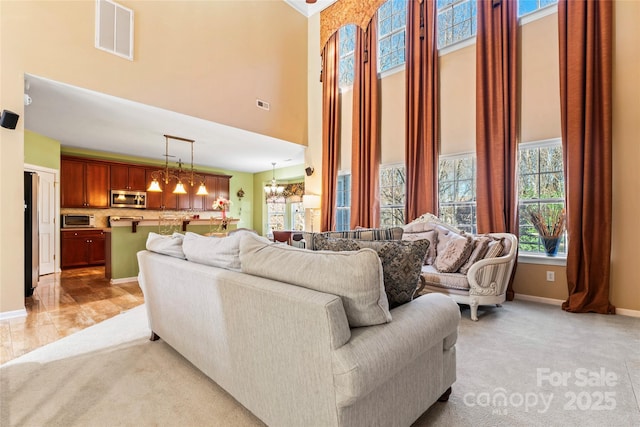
x,y
356,277
392,233
167,245
222,252
454,254
401,260
424,231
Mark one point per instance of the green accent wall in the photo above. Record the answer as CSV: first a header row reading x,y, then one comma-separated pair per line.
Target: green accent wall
x,y
240,208
286,175
125,245
40,150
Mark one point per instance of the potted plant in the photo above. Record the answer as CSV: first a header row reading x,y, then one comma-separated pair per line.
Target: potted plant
x,y
550,222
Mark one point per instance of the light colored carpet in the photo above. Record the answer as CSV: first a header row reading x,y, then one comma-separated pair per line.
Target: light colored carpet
x,y
111,375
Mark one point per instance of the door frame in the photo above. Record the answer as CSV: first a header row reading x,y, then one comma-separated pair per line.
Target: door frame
x,y
56,214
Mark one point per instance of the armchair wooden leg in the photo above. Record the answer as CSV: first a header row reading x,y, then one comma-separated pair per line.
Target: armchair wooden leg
x,y
445,396
474,309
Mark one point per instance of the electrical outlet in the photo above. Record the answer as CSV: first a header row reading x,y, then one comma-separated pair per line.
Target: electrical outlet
x,y
551,276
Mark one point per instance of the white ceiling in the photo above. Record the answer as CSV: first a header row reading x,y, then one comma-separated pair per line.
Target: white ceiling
x,y
82,118
308,9
86,119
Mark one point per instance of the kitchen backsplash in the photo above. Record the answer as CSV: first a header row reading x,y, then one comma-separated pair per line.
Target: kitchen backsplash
x,y
102,215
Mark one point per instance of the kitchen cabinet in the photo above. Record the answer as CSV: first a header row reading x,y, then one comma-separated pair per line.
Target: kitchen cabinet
x,y
82,248
84,183
165,200
126,177
217,186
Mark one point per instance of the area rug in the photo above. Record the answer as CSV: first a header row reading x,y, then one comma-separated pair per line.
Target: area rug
x,y
524,364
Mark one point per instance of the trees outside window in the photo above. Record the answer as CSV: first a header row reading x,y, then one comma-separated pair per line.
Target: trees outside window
x,y
343,205
540,187
392,195
457,191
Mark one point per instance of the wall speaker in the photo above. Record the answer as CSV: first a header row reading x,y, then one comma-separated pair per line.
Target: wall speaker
x,y
309,171
9,119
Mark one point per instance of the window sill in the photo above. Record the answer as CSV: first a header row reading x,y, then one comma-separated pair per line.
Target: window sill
x,y
529,258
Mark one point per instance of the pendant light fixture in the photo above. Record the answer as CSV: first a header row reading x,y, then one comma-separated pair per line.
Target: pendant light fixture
x,y
179,174
273,191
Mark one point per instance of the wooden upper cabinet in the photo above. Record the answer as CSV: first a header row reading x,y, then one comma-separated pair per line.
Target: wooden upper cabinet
x,y
87,183
217,186
154,200
97,186
84,184
125,177
72,183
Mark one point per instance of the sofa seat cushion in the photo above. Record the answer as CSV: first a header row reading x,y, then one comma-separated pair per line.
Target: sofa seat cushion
x,y
356,277
401,262
444,280
373,355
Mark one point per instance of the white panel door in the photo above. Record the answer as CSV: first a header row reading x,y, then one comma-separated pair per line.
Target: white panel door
x,y
47,225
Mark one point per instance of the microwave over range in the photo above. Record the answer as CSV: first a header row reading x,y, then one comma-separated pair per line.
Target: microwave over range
x,y
128,199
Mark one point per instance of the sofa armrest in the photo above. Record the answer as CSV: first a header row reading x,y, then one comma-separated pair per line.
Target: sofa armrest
x,y
375,353
491,276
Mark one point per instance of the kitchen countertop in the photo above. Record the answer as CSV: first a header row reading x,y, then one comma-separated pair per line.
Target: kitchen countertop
x,y
65,230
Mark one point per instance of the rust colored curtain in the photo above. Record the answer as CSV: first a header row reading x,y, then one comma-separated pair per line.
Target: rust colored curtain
x,y
365,149
330,132
497,119
422,119
585,32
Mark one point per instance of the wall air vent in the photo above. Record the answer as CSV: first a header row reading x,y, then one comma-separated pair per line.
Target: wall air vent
x,y
114,28
262,104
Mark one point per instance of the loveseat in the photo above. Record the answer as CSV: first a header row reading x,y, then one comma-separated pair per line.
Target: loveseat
x,y
300,338
471,269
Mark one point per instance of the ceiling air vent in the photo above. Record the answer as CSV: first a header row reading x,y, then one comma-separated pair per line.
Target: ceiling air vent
x,y
114,28
262,104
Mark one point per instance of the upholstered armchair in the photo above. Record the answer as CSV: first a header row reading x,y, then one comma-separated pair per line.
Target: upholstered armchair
x,y
479,279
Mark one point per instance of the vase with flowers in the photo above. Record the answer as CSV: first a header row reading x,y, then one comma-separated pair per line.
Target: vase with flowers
x,y
550,223
222,204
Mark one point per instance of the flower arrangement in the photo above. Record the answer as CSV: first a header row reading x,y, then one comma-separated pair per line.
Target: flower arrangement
x,y
549,222
221,204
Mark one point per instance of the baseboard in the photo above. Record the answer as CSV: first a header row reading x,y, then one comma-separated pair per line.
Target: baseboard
x,y
627,312
553,301
123,280
543,300
13,314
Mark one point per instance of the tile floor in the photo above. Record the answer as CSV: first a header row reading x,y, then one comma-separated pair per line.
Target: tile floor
x,y
64,303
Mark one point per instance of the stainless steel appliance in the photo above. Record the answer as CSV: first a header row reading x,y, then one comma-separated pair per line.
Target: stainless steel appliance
x,y
78,221
31,233
128,199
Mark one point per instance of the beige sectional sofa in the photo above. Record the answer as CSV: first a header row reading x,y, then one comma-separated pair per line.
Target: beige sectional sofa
x,y
300,338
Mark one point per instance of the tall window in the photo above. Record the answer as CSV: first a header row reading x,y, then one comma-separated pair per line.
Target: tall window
x,y
297,216
343,205
457,191
540,187
456,21
527,6
347,40
392,21
275,215
392,195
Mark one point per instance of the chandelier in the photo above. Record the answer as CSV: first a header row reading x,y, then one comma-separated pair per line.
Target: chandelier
x,y
179,174
273,191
